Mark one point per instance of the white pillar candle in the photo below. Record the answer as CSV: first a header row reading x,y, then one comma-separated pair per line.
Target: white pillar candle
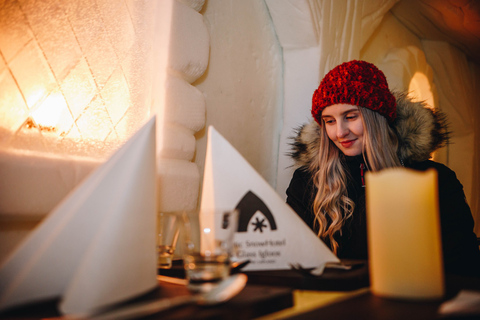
x,y
404,237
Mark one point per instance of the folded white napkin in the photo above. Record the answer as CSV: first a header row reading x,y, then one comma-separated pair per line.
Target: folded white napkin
x,y
270,234
97,247
465,303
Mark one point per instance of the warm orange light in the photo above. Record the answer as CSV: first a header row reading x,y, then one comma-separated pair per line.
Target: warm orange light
x,y
419,89
74,84
48,114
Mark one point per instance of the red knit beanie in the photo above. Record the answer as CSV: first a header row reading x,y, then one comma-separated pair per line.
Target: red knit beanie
x,y
357,83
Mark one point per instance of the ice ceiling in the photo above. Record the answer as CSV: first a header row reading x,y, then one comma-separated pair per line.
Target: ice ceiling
x,y
454,21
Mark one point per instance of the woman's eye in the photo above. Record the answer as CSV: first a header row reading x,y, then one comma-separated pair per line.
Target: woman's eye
x,y
352,117
329,121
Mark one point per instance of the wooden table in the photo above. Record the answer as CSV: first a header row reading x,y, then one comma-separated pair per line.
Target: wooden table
x,y
287,294
360,303
252,302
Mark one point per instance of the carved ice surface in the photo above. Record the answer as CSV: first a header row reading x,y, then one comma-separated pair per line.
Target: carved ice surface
x,y
71,73
75,82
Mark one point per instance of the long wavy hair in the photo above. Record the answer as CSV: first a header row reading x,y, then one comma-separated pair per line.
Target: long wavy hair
x,y
331,205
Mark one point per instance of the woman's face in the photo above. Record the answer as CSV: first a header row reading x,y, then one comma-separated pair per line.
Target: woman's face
x,y
344,127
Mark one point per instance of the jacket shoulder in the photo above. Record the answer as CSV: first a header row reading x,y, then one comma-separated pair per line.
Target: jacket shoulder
x,y
447,178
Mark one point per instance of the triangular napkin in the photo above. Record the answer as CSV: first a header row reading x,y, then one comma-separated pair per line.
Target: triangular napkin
x,y
97,247
270,234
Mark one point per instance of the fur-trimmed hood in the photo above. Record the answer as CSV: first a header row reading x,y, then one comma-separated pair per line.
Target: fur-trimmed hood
x,y
420,132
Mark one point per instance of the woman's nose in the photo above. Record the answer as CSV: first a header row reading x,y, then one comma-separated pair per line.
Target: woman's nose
x,y
342,130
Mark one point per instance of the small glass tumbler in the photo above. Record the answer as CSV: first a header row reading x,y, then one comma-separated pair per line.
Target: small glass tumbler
x,y
168,227
207,260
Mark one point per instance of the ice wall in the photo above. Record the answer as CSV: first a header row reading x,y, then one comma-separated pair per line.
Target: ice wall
x,y
79,78
179,104
101,68
74,85
243,83
75,75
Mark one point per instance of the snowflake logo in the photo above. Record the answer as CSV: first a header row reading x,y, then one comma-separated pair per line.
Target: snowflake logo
x,y
259,224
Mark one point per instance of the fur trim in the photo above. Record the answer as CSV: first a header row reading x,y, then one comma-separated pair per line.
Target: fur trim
x,y
420,132
305,144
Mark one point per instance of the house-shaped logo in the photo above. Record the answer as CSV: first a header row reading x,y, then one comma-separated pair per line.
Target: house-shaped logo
x,y
251,207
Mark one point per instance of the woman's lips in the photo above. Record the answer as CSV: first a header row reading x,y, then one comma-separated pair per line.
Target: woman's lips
x,y
347,143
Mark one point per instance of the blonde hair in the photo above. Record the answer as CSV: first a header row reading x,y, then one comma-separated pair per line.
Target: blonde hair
x,y
331,205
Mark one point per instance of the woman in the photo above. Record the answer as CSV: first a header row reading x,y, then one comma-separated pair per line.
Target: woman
x,y
359,126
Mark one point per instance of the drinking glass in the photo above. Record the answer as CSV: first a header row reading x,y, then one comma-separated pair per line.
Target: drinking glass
x,y
207,258
168,227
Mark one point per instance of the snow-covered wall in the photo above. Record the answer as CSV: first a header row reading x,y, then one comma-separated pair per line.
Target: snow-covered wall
x,y
100,69
243,85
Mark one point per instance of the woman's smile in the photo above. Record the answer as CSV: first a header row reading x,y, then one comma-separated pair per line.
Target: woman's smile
x,y
347,143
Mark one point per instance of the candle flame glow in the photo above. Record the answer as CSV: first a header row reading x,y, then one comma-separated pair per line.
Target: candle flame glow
x,y
48,114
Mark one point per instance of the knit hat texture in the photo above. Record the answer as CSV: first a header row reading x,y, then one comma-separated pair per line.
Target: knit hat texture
x,y
358,83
